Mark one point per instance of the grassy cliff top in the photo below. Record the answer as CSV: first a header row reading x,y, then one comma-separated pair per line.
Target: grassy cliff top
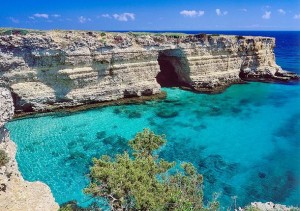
x,y
20,31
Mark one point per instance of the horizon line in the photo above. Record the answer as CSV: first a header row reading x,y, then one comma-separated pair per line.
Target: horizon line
x,y
157,30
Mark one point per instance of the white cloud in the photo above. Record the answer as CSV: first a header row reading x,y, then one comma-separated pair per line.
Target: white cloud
x,y
244,10
200,12
14,20
124,16
281,11
192,13
297,16
41,15
106,16
56,15
220,13
82,19
266,15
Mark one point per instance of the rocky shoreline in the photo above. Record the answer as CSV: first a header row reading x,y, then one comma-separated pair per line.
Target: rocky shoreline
x,y
45,71
48,70
124,101
16,193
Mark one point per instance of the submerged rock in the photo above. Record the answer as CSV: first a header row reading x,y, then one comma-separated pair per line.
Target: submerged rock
x,y
262,175
101,134
134,114
117,144
167,113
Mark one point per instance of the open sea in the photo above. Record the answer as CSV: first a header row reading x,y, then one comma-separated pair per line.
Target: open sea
x,y
245,141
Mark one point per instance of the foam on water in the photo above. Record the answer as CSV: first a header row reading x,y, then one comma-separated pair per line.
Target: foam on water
x,y
245,141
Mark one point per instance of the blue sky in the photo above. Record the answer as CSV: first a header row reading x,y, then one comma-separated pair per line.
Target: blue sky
x,y
151,14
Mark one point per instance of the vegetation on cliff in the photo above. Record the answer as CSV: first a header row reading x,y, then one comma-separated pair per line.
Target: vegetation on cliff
x,y
144,181
3,158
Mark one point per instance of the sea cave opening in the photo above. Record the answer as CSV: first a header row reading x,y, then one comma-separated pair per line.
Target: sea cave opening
x,y
174,69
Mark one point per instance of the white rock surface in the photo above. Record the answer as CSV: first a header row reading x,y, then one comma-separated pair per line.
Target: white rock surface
x,y
270,206
53,69
47,70
16,194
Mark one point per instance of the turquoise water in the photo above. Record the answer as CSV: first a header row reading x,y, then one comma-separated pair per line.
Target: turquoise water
x,y
245,141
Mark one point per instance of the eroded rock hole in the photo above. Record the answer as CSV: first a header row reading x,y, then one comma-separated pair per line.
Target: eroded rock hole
x,y
19,105
174,71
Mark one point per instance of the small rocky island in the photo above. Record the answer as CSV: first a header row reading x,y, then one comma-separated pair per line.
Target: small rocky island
x,y
42,71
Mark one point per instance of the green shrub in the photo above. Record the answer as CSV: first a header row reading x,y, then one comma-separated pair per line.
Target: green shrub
x,y
14,32
72,206
142,181
174,35
3,158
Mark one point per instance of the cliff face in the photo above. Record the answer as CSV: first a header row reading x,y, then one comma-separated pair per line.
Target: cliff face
x,y
15,193
46,70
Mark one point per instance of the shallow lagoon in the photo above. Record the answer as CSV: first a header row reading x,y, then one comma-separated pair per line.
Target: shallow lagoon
x,y
244,141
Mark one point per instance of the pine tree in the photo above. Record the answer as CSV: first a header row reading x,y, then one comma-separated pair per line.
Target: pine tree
x,y
143,181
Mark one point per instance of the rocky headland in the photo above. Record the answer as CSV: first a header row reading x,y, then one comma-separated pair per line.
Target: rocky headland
x,y
46,70
43,71
16,193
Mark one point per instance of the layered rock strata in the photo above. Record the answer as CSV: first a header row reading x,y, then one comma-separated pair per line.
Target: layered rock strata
x,y
57,69
52,69
16,194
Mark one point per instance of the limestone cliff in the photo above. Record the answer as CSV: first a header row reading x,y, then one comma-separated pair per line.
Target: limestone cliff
x,y
15,193
50,69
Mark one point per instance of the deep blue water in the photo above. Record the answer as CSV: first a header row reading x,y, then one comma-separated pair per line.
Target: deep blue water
x,y
244,141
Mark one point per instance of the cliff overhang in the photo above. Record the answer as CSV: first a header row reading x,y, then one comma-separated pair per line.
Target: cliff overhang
x,y
42,71
49,70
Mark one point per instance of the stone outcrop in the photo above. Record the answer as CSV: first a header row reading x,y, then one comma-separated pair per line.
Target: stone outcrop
x,y
45,70
269,206
16,194
52,69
